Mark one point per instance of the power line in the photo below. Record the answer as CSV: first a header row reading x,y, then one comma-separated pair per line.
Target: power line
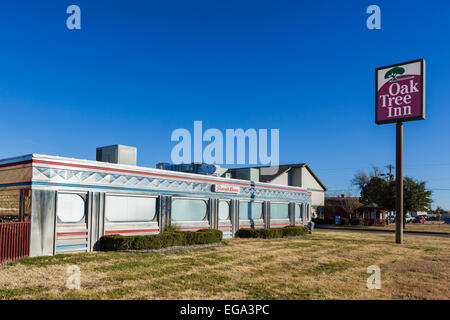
x,y
434,165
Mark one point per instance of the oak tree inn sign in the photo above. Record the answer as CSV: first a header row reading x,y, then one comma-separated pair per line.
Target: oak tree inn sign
x,y
399,97
400,92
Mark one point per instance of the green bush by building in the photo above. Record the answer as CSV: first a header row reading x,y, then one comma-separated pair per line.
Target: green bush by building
x,y
161,240
271,233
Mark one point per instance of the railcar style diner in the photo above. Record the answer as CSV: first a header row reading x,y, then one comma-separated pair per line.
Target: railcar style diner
x,y
72,203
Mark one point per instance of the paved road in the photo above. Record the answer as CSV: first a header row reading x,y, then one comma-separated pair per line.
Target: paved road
x,y
417,233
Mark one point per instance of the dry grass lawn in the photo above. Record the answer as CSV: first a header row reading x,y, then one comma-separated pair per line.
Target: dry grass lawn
x,y
327,265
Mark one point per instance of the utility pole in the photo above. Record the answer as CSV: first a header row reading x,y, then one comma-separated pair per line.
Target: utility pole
x,y
390,167
390,177
399,223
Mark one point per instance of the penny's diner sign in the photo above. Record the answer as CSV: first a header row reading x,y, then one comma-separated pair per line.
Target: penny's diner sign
x,y
225,188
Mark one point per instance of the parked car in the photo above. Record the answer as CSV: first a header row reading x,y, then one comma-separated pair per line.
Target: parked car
x,y
408,218
419,220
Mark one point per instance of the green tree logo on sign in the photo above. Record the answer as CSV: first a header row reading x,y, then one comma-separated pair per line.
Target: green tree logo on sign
x,y
393,73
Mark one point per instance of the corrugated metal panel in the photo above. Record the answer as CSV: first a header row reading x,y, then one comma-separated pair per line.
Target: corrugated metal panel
x,y
134,228
71,238
14,241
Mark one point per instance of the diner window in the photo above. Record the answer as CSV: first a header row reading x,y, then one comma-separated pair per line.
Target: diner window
x,y
298,211
70,208
189,209
279,210
224,210
130,208
250,210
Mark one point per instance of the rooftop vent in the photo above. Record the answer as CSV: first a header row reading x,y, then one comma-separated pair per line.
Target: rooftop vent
x,y
117,153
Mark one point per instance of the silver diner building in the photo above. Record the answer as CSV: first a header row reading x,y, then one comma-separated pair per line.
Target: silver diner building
x,y
72,203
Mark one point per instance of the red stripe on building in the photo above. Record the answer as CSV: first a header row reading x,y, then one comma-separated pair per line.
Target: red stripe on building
x,y
282,224
199,228
259,225
71,234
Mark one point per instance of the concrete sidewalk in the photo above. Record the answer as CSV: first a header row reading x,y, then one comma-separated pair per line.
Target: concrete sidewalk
x,y
419,233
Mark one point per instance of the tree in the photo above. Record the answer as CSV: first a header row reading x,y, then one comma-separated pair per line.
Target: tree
x,y
349,204
377,191
362,178
415,195
394,72
438,210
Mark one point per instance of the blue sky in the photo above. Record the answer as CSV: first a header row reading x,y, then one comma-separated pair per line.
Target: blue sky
x,y
137,70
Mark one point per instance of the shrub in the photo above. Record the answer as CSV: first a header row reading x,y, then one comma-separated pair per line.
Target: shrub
x,y
248,233
344,221
161,240
202,236
271,233
356,222
291,231
171,228
172,238
323,221
140,241
318,221
116,242
209,235
191,237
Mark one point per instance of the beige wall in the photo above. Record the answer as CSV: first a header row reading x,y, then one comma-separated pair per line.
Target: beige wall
x,y
308,181
282,179
301,177
317,196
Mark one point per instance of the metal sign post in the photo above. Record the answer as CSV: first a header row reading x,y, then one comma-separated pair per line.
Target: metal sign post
x,y
399,184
